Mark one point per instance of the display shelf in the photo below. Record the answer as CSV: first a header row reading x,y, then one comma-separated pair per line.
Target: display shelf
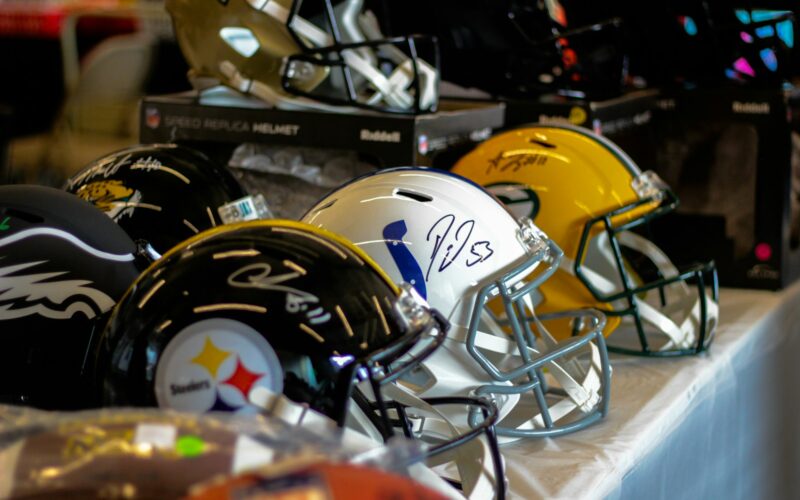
x,y
223,116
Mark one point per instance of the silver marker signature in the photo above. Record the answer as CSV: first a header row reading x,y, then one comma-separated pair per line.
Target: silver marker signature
x,y
151,164
260,276
106,169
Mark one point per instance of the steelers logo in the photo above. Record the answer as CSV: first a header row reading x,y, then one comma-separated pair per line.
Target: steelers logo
x,y
214,365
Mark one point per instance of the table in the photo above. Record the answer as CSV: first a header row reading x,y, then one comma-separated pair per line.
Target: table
x,y
721,425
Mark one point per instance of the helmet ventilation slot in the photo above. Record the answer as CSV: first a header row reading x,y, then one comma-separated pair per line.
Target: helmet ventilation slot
x,y
325,206
543,144
422,198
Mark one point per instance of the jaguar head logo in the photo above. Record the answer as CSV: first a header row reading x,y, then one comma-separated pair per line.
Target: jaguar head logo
x,y
111,196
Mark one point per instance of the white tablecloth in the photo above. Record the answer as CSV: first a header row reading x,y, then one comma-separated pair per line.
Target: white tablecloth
x,y
721,425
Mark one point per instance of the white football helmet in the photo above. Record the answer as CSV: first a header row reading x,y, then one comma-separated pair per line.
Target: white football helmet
x,y
462,250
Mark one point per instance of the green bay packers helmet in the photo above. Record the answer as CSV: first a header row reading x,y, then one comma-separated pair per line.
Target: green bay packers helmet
x,y
589,196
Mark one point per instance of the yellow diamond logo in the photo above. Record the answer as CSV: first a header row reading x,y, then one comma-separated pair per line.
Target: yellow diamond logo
x,y
211,357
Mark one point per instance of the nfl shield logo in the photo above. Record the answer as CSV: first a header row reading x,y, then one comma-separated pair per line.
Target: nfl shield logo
x,y
152,117
422,144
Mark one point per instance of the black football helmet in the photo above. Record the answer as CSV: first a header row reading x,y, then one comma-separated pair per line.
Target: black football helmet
x,y
63,264
274,316
518,48
163,194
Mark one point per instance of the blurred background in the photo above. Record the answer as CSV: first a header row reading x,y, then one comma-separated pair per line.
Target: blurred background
x,y
76,70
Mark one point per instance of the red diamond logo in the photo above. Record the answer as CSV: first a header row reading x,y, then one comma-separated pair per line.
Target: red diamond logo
x,y
242,378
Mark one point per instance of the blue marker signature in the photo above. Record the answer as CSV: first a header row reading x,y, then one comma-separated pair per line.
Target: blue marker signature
x,y
453,244
479,252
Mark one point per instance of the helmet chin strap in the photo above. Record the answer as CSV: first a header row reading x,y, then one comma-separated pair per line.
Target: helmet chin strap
x,y
245,85
686,308
299,414
393,90
292,413
472,460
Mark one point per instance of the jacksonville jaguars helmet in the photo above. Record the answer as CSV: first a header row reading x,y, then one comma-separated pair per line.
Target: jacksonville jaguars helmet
x,y
163,194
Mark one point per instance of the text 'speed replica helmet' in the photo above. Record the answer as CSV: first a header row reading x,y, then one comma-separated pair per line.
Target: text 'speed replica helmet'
x,y
588,195
306,54
281,317
163,194
63,264
462,250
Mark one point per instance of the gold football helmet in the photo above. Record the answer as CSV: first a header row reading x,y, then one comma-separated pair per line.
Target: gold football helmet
x,y
306,54
589,196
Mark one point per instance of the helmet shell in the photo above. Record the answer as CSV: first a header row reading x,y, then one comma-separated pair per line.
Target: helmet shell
x,y
63,265
271,304
159,193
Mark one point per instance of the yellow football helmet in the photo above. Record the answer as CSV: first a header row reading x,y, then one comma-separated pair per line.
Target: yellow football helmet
x,y
588,196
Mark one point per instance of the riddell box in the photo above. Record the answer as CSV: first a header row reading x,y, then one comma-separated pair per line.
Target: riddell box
x,y
732,157
293,158
385,140
625,120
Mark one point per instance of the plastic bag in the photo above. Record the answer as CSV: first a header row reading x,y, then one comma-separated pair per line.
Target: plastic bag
x,y
160,454
292,179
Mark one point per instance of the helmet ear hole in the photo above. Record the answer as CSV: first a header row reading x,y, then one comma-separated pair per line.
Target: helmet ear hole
x,y
422,198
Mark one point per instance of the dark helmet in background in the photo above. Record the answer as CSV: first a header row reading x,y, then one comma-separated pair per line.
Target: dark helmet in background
x,y
515,48
63,264
163,194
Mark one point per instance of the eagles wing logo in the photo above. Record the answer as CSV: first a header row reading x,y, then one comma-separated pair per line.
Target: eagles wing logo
x,y
29,294
112,197
33,288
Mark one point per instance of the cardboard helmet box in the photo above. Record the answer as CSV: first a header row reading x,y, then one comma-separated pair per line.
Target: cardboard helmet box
x,y
732,155
295,157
